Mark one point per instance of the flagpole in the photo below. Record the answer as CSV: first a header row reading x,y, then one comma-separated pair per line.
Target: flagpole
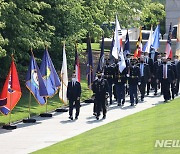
x,y
9,126
29,120
46,97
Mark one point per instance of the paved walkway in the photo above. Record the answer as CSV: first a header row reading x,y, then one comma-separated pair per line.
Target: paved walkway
x,y
47,131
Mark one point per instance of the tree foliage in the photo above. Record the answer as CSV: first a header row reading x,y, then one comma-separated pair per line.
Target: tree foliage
x,y
26,24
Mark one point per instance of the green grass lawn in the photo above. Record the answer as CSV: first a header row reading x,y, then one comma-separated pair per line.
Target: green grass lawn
x,y
21,109
94,46
135,134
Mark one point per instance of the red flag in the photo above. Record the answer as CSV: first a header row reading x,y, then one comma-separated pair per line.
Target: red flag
x,y
138,50
11,92
77,66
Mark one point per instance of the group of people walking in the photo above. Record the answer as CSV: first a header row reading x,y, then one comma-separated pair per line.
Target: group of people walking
x,y
151,71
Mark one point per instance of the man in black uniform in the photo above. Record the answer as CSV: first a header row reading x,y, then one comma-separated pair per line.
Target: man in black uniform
x,y
133,80
176,65
157,65
100,90
73,95
108,75
120,82
166,77
148,61
144,76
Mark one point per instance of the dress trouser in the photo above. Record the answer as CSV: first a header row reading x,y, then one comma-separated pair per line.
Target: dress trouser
x,y
165,85
120,91
71,106
133,93
100,105
142,87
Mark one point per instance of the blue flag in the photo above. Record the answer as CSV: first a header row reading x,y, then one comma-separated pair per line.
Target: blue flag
x,y
89,71
101,58
35,83
49,74
126,45
156,42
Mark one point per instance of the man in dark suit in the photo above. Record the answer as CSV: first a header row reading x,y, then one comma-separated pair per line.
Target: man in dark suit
x,y
100,90
157,65
108,75
166,77
133,80
144,76
73,95
148,61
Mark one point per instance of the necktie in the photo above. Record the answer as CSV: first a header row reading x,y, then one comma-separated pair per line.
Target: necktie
x,y
142,74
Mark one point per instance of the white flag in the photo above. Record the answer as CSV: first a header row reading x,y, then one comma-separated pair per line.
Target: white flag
x,y
64,79
150,41
122,63
117,40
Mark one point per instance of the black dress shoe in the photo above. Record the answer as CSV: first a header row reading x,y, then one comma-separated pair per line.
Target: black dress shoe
x,y
76,117
147,93
97,118
71,117
155,94
165,100
132,104
136,101
104,116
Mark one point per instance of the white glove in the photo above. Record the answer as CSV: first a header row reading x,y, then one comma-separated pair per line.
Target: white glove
x,y
127,75
139,83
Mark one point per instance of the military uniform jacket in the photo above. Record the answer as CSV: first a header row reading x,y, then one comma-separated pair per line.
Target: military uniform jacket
x,y
134,75
100,88
120,77
147,74
73,91
109,72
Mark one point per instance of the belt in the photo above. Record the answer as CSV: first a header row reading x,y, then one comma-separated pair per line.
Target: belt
x,y
133,77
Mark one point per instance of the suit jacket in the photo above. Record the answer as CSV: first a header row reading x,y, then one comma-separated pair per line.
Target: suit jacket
x,y
156,68
170,73
73,91
150,63
134,75
146,73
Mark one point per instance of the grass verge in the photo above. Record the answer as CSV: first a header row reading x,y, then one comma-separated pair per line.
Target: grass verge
x,y
135,134
21,110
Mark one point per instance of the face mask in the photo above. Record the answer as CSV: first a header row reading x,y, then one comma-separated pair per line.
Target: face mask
x,y
175,60
73,79
159,60
168,62
99,76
